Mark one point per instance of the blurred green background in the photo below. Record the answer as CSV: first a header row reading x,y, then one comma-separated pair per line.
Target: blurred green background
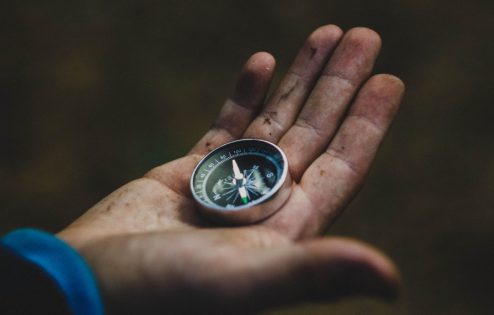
x,y
93,94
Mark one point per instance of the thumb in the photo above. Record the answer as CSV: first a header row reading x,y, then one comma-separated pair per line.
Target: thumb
x,y
325,270
339,267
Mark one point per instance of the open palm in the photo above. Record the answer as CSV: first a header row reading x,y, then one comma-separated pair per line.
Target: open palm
x,y
153,253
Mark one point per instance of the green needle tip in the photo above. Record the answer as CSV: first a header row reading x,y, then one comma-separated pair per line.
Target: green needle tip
x,y
245,200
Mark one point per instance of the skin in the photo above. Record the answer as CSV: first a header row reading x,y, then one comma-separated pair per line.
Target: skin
x,y
152,252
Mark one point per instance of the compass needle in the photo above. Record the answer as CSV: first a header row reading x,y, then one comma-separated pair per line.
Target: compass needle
x,y
236,171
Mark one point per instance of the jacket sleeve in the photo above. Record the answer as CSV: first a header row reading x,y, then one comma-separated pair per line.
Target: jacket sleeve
x,y
41,274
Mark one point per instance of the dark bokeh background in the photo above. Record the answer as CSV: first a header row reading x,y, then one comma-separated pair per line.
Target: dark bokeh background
x,y
93,94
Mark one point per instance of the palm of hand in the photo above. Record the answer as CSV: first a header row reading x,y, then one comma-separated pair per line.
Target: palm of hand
x,y
149,247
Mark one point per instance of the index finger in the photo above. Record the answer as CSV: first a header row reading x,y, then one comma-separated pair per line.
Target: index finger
x,y
239,110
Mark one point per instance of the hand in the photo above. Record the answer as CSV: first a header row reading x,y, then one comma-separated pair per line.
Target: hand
x,y
152,252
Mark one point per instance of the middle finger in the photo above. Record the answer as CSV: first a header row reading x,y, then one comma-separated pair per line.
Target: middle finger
x,y
283,106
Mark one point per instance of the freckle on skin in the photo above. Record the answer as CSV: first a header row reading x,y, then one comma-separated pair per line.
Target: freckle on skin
x,y
322,173
108,208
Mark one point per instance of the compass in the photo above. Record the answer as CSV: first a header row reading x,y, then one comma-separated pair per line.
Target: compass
x,y
241,182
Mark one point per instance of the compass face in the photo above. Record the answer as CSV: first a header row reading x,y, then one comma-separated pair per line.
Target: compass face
x,y
239,174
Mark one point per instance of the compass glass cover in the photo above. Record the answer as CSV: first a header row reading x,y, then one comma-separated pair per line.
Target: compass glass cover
x,y
239,174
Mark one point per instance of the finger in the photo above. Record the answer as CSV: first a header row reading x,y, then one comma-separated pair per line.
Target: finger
x,y
280,112
341,267
239,110
320,270
333,179
350,65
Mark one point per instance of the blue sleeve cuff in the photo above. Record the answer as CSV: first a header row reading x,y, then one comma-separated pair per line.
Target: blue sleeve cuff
x,y
61,263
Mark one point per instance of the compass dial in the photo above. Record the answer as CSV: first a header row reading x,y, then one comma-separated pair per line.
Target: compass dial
x,y
239,175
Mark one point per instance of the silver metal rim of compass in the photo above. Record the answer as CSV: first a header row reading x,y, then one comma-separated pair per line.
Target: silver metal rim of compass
x,y
251,213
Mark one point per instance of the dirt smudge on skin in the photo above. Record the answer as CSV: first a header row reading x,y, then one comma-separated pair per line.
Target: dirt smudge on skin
x,y
268,117
313,51
208,146
322,172
285,95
